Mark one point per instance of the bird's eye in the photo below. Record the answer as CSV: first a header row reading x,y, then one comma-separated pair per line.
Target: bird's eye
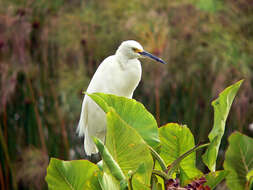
x,y
135,50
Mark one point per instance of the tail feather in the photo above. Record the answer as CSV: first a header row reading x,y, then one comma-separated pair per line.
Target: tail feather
x,y
80,129
89,145
83,130
83,120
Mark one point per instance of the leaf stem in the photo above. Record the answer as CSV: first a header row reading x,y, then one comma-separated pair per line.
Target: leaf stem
x,y
130,184
159,159
174,164
161,174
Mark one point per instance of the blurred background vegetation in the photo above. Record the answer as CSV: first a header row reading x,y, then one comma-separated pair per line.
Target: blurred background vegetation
x,y
49,50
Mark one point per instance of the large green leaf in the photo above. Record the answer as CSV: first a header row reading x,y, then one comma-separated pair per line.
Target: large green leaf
x,y
133,113
129,150
214,178
69,175
239,161
175,141
221,106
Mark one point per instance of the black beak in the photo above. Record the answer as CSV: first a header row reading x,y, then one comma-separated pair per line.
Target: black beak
x,y
146,54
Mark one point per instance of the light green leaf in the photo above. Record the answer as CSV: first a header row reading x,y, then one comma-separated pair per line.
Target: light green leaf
x,y
249,175
107,181
175,141
129,150
214,178
221,106
133,113
69,175
239,161
250,178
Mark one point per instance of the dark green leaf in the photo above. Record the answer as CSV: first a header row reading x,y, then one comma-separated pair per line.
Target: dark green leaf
x,y
214,178
239,161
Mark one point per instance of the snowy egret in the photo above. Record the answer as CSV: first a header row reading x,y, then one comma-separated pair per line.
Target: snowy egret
x,y
118,74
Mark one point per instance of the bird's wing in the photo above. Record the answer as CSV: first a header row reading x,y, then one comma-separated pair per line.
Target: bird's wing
x,y
96,85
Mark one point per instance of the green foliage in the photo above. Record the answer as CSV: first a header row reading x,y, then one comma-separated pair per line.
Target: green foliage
x,y
127,161
128,149
238,162
214,178
221,106
133,113
175,141
76,174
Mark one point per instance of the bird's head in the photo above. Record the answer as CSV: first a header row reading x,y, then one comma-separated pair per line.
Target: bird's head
x,y
133,50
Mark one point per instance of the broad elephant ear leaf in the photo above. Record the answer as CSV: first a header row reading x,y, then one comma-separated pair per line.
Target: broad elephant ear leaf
x,y
221,107
131,112
239,162
66,175
175,141
129,150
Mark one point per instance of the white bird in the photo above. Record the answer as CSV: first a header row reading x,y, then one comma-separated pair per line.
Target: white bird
x,y
118,74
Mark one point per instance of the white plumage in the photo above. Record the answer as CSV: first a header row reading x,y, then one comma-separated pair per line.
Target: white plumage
x,y
118,74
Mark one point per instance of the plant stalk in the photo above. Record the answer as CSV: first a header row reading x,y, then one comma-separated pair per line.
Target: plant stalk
x,y
174,164
159,159
161,174
7,158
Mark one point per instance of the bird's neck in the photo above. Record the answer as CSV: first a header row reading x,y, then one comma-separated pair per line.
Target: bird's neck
x,y
122,59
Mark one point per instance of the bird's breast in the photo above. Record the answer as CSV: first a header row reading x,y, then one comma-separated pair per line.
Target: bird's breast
x,y
114,78
126,78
